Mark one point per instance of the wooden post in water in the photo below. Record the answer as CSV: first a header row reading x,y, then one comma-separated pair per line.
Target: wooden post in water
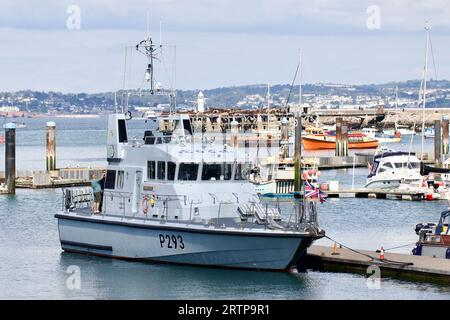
x,y
341,138
344,137
437,142
284,143
10,157
51,146
298,155
445,146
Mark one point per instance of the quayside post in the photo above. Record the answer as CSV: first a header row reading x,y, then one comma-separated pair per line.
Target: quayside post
x,y
298,155
51,146
444,125
437,142
10,157
341,149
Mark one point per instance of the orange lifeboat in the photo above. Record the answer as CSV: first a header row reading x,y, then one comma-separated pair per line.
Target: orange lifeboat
x,y
323,141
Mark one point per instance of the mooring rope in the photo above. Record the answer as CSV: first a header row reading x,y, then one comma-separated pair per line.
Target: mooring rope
x,y
370,256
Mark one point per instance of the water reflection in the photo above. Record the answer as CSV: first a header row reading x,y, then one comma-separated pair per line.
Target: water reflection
x,y
116,279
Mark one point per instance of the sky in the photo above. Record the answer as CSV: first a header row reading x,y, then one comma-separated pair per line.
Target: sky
x,y
79,45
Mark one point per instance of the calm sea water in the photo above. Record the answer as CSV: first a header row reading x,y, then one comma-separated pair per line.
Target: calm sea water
x,y
33,265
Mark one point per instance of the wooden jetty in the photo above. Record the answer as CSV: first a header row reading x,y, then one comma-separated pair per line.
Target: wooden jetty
x,y
395,265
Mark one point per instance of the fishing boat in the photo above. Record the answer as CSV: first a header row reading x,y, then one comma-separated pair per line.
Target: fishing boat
x,y
391,169
434,239
172,196
325,141
381,137
276,178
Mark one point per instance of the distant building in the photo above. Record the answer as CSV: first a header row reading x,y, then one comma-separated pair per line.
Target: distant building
x,y
9,109
200,102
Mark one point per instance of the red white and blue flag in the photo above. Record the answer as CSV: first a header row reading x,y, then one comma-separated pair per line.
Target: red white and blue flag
x,y
314,192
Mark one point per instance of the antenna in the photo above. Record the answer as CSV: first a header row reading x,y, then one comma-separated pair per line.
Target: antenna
x,y
160,33
148,25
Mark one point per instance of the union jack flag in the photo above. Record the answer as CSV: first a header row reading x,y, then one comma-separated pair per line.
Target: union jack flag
x,y
314,192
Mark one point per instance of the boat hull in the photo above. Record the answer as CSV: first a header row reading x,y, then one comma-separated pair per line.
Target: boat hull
x,y
316,144
180,245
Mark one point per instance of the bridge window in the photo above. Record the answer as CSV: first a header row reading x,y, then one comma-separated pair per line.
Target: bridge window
x,y
171,166
188,171
216,171
161,170
151,170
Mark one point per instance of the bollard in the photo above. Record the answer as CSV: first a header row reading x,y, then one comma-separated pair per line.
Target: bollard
x,y
444,125
10,157
51,146
437,142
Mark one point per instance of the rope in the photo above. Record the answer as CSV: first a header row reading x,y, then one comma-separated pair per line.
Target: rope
x,y
405,245
387,261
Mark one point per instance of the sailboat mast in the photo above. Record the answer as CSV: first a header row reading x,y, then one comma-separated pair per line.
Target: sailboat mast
x,y
268,106
300,81
425,71
396,111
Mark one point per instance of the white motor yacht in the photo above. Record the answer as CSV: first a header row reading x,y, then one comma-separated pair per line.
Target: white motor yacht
x,y
390,169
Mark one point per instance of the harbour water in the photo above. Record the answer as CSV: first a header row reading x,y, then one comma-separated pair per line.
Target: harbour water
x,y
33,265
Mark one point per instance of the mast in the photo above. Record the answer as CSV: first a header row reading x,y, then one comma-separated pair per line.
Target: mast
x,y
425,70
268,106
396,111
300,81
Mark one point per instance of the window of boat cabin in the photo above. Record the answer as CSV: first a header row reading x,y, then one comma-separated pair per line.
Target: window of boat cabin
x,y
385,167
161,170
410,165
110,180
151,170
122,131
120,179
188,171
241,171
187,126
171,167
216,171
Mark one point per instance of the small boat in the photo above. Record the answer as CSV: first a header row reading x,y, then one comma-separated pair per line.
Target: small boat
x,y
276,178
429,133
324,141
434,239
2,139
391,169
381,137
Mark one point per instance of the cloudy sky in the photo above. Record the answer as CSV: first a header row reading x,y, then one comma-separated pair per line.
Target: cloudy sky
x,y
219,42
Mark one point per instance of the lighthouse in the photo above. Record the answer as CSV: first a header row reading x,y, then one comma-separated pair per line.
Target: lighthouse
x,y
200,102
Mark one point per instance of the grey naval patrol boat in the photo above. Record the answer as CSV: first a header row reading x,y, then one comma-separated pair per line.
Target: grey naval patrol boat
x,y
173,196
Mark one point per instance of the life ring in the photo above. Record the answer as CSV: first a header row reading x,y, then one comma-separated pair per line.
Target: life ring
x,y
145,203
